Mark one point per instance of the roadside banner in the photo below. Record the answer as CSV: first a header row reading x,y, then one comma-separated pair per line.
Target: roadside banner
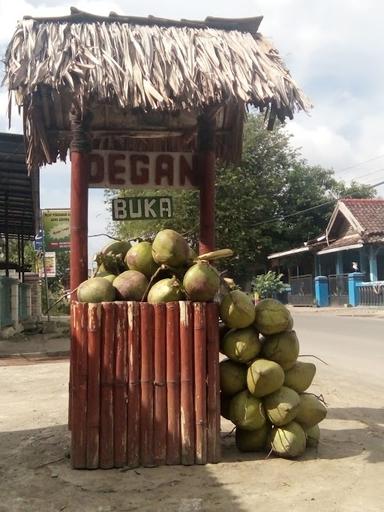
x,y
56,227
50,264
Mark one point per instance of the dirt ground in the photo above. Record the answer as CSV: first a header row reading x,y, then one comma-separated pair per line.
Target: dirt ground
x,y
346,473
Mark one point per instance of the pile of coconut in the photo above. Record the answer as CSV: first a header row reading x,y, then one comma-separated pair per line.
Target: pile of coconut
x,y
264,388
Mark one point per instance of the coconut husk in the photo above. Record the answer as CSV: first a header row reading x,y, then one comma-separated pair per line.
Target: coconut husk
x,y
281,406
233,377
313,436
96,289
300,376
264,377
288,441
246,411
241,345
237,310
272,317
311,411
252,440
282,348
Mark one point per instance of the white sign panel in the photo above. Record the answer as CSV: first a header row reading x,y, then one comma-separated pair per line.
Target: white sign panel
x,y
130,169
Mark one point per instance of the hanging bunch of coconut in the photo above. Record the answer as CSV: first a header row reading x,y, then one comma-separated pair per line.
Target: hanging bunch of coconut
x,y
264,387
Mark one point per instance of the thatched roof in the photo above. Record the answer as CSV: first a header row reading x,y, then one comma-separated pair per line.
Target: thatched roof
x,y
121,67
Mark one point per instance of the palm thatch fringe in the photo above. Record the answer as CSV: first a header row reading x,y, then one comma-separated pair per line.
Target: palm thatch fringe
x,y
143,67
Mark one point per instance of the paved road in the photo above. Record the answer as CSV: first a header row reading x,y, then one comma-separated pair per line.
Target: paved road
x,y
347,343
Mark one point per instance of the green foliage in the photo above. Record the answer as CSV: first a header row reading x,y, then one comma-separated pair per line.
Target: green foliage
x,y
256,202
267,285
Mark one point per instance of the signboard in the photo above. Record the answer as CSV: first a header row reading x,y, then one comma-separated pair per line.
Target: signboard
x,y
130,169
50,265
38,243
56,226
140,208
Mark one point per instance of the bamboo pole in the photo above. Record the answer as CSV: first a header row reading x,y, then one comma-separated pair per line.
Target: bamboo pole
x,y
79,386
173,384
93,390
146,380
213,383
186,384
133,439
121,385
200,359
160,402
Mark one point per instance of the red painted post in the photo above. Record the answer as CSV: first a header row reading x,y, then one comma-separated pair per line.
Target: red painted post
x,y
93,390
79,202
173,384
200,335
206,163
213,383
121,384
107,382
79,387
133,439
146,379
186,384
160,402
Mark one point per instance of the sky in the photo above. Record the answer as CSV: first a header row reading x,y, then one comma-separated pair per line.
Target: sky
x,y
333,48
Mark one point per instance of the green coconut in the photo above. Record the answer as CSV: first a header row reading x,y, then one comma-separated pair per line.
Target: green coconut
x,y
281,406
313,436
237,310
165,290
252,440
139,257
233,377
264,377
282,348
201,282
95,289
130,285
107,275
241,345
272,317
300,376
246,411
224,406
170,248
117,247
289,440
311,411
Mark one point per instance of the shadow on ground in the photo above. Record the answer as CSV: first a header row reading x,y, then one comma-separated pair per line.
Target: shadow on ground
x,y
36,475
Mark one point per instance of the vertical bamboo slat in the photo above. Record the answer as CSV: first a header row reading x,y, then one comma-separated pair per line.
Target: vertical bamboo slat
x,y
121,386
213,384
146,379
173,384
160,396
133,439
186,384
79,386
200,334
93,390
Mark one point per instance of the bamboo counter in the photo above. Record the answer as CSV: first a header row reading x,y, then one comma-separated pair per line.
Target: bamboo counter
x,y
144,384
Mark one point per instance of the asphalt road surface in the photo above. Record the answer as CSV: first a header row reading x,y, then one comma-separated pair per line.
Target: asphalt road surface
x,y
347,343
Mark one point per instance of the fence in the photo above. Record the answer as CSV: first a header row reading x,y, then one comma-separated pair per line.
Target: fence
x,y
371,294
338,289
5,301
302,290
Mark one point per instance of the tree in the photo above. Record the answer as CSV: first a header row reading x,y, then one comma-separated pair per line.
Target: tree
x,y
257,202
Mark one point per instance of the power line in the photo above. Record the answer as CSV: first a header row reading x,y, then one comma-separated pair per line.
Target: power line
x,y
283,217
358,164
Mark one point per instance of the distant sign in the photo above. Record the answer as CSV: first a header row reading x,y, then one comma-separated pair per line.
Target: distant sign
x,y
38,243
50,265
140,208
56,226
129,169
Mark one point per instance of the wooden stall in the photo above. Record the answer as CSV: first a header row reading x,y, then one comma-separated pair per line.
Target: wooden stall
x,y
143,102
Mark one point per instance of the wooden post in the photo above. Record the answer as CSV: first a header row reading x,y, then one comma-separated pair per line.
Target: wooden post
x,y
206,162
186,384
160,403
80,148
